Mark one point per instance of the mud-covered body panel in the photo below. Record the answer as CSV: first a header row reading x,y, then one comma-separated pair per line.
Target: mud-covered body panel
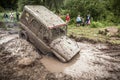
x,y
47,32
66,47
47,17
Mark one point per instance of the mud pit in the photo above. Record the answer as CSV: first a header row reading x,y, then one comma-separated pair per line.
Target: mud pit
x,y
19,60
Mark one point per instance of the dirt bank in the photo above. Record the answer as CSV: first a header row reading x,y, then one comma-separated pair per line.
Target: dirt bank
x,y
19,60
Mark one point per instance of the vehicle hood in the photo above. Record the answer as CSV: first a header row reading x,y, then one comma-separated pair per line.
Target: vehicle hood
x,y
65,47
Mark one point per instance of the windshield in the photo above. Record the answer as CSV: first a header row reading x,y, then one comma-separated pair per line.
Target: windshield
x,y
56,32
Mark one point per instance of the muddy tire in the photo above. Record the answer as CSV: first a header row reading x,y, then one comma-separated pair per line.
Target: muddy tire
x,y
23,34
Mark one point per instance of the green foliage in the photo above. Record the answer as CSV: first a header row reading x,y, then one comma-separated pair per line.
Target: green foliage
x,y
2,25
1,9
22,3
63,12
1,16
83,7
72,21
107,11
96,25
51,4
107,23
100,10
9,4
116,7
54,4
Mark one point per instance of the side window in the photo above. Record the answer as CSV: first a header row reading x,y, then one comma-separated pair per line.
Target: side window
x,y
43,33
24,18
34,26
40,32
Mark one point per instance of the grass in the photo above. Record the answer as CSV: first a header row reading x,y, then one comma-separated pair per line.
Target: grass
x,y
91,34
1,15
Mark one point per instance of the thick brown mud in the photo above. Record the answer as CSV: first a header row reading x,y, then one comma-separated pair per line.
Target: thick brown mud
x,y
20,60
54,65
95,61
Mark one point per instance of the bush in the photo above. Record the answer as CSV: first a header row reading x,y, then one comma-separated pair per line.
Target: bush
x,y
2,25
96,25
1,9
107,23
72,21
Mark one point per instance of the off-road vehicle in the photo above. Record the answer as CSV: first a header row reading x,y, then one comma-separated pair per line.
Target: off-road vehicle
x,y
47,32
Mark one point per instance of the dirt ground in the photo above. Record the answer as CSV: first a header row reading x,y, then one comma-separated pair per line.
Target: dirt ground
x,y
20,60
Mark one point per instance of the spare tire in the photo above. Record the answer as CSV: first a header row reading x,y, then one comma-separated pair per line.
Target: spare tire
x,y
23,34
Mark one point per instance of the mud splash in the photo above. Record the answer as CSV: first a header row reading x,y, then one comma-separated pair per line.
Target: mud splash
x,y
19,60
54,65
94,62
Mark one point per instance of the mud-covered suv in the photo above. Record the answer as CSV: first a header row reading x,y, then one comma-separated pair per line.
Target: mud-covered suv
x,y
47,32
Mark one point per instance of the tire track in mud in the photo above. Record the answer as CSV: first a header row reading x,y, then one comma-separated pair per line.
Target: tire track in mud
x,y
111,61
94,62
7,38
13,65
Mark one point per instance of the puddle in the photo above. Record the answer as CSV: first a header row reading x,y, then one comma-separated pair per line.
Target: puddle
x,y
91,62
54,65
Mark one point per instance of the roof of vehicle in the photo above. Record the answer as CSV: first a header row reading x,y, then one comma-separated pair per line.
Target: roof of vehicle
x,y
46,16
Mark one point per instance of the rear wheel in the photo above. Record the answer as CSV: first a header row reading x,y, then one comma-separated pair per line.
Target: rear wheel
x,y
23,34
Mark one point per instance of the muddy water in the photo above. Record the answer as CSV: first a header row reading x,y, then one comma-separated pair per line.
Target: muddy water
x,y
54,65
92,62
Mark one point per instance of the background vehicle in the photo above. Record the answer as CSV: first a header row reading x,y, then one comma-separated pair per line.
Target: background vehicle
x,y
47,32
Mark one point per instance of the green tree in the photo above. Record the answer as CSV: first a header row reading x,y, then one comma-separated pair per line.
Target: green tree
x,y
51,4
116,10
9,4
54,4
98,9
22,3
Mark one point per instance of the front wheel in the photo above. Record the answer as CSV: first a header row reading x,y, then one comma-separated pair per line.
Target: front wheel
x,y
23,34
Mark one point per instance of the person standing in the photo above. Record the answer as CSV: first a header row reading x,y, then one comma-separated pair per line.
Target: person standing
x,y
5,16
78,20
88,20
12,17
17,16
67,18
